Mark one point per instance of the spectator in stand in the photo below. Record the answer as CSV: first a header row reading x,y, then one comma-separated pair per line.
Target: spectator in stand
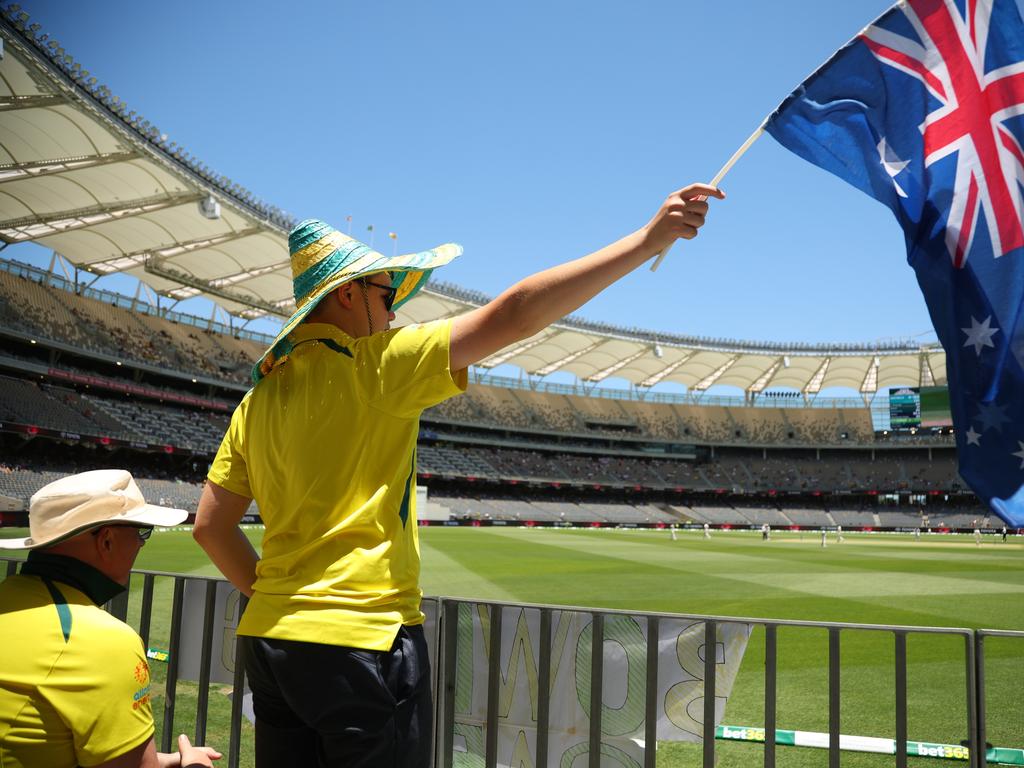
x,y
74,686
325,442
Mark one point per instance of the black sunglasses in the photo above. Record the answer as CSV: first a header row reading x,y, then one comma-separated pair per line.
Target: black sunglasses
x,y
143,532
389,295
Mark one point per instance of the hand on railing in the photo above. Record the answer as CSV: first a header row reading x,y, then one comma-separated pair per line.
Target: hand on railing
x,y
188,756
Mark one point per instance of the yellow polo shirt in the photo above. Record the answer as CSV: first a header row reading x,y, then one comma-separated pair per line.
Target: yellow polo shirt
x,y
326,445
74,682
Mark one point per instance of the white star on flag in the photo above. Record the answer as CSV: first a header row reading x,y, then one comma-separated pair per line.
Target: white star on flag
x,y
980,334
1020,454
973,438
992,416
892,164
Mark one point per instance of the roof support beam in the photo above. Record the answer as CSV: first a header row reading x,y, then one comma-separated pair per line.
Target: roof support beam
x,y
668,370
765,378
202,286
10,103
870,382
813,386
241,277
927,376
510,352
555,365
138,258
41,225
711,378
601,375
49,167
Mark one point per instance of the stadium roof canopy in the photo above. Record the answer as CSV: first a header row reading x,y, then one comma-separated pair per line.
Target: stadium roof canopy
x,y
84,175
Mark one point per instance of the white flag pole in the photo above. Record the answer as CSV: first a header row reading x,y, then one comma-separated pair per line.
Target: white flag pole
x,y
718,179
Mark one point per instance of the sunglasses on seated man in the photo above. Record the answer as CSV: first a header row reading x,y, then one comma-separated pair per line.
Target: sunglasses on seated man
x,y
142,531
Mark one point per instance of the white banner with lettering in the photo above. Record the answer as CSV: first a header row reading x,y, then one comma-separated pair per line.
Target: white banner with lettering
x,y
680,698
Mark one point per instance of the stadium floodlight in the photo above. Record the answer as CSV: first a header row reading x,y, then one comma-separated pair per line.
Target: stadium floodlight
x,y
209,207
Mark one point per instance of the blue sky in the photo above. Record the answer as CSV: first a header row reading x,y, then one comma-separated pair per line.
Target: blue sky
x,y
530,132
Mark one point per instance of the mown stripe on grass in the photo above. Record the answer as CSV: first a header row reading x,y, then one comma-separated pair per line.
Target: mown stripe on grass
x,y
443,576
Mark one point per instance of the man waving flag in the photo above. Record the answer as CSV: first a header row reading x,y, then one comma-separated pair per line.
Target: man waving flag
x,y
924,111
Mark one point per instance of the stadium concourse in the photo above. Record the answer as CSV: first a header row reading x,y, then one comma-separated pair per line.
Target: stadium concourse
x,y
92,378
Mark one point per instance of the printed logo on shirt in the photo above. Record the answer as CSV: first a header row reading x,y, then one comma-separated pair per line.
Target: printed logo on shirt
x,y
141,673
141,697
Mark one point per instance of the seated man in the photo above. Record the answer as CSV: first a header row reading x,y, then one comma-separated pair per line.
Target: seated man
x,y
74,681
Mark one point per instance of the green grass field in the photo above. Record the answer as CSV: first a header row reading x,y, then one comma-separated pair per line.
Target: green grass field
x,y
879,578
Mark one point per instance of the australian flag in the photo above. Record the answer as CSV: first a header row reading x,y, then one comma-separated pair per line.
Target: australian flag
x,y
924,111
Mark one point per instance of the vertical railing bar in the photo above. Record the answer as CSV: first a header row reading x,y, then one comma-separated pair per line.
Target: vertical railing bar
x,y
544,689
710,663
977,756
979,684
446,727
12,567
237,695
596,684
203,697
117,606
901,699
146,610
833,697
493,685
172,664
436,689
770,692
651,693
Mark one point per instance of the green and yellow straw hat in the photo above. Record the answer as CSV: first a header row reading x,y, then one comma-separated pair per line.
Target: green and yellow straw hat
x,y
323,258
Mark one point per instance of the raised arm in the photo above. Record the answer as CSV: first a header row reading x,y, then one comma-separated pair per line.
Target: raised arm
x,y
535,302
216,529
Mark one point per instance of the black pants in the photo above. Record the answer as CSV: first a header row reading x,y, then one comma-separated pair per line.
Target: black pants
x,y
332,706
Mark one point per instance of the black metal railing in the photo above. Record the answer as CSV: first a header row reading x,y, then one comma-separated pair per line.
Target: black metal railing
x,y
204,617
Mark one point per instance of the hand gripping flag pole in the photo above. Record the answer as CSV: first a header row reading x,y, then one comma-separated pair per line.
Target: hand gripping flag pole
x,y
717,180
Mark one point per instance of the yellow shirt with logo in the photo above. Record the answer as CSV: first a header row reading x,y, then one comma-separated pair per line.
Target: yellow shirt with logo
x,y
326,445
74,682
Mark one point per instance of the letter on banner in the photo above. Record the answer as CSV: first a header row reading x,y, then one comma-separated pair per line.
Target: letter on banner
x,y
680,685
226,613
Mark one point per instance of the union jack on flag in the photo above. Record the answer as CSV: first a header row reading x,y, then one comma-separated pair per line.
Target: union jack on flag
x,y
924,110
